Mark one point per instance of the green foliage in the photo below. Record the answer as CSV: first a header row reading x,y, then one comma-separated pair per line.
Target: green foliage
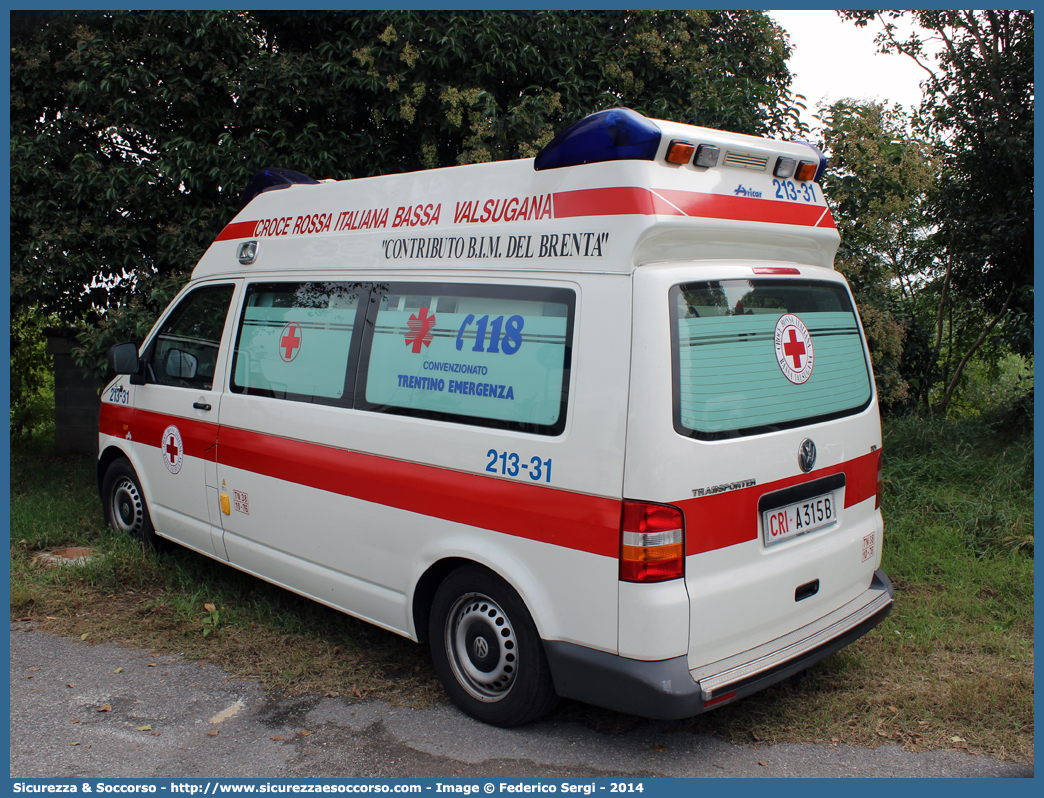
x,y
978,112
54,500
32,376
952,486
994,387
134,133
877,187
213,619
129,321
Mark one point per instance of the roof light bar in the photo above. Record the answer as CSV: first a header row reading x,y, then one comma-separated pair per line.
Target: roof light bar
x,y
706,155
784,168
806,170
614,135
679,152
270,179
820,159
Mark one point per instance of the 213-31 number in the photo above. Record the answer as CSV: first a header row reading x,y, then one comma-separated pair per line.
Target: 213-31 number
x,y
789,190
511,465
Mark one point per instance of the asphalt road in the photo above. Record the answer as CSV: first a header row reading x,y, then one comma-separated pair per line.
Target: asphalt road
x,y
74,715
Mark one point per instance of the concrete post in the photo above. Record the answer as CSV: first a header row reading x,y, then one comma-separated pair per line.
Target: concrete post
x,y
77,397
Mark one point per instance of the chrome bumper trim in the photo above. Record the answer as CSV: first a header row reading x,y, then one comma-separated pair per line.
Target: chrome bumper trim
x,y
715,676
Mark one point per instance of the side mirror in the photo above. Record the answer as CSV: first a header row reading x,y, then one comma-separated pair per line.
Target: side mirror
x,y
123,358
181,365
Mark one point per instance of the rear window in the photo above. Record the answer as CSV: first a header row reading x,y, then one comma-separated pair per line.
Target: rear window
x,y
753,356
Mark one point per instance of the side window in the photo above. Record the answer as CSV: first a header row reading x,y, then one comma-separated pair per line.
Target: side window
x,y
185,351
486,355
294,340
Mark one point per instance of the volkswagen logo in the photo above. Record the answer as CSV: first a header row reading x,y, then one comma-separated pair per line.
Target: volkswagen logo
x,y
481,647
807,455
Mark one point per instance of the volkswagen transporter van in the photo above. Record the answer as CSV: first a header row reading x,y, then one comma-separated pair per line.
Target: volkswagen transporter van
x,y
599,424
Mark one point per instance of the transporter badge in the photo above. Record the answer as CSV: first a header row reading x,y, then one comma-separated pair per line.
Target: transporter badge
x,y
793,349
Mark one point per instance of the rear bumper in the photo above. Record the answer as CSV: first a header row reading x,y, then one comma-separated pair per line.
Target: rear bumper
x,y
669,689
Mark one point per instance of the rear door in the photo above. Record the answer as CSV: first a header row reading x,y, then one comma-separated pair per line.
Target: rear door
x,y
753,411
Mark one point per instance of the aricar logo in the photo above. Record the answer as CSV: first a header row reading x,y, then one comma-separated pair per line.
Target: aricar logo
x,y
794,352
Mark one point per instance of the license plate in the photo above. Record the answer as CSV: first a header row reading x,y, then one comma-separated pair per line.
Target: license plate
x,y
792,520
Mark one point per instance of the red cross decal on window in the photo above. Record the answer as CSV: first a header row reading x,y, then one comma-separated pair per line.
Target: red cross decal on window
x,y
795,349
290,342
420,330
172,450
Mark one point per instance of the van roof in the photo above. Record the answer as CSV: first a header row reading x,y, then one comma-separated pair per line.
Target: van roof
x,y
602,197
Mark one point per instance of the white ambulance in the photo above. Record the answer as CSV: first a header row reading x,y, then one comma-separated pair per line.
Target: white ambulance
x,y
599,424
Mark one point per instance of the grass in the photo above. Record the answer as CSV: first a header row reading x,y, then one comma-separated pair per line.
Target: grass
x,y
952,667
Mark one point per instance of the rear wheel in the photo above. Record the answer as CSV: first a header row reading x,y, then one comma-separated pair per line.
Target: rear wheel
x,y
487,651
124,504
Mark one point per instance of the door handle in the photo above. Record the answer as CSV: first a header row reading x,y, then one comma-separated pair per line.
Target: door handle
x,y
201,406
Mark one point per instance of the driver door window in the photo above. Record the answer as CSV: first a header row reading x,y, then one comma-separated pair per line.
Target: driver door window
x,y
185,351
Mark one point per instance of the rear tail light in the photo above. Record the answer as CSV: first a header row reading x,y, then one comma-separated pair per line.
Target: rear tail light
x,y
652,542
880,479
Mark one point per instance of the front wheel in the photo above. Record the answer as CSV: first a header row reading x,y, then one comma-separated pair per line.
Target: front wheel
x,y
123,502
487,651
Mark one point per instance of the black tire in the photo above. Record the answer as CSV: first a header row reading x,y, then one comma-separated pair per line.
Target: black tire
x,y
123,502
487,651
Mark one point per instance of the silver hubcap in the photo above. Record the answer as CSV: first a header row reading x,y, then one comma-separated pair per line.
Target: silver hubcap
x,y
128,511
480,642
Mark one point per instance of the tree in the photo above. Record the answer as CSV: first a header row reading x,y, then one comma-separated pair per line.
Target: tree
x,y
880,177
979,108
133,133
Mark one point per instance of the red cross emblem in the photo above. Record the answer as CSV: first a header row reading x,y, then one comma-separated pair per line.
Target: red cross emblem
x,y
794,353
172,449
794,349
290,342
420,330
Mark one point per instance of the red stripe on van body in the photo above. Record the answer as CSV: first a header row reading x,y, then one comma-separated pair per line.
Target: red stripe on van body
x,y
725,519
197,437
623,200
112,418
747,209
671,202
549,515
637,201
559,517
237,230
